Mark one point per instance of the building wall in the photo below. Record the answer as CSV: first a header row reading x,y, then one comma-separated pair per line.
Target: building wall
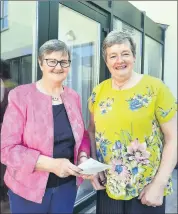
x,y
165,12
17,40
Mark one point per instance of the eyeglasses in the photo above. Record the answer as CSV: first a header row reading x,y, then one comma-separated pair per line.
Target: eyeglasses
x,y
54,62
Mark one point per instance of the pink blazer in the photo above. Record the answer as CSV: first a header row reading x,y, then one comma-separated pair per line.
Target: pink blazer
x,y
27,132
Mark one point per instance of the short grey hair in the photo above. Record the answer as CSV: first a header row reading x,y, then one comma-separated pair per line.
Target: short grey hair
x,y
53,46
116,37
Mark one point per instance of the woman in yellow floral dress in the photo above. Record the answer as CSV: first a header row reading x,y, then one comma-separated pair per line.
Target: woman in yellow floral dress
x,y
133,128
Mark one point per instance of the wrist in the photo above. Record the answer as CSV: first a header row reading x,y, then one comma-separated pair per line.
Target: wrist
x,y
160,182
82,159
53,164
45,163
82,155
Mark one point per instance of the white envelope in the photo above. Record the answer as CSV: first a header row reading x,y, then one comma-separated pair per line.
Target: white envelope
x,y
92,166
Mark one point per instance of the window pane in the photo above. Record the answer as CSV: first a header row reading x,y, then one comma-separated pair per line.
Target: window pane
x,y
1,24
85,57
18,41
26,67
5,22
153,58
23,27
85,49
136,35
2,3
14,70
85,189
5,9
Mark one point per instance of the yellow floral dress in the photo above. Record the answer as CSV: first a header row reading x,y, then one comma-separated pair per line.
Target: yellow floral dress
x,y
128,134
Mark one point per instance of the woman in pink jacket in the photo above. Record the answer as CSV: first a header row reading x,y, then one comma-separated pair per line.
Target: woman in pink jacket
x,y
43,138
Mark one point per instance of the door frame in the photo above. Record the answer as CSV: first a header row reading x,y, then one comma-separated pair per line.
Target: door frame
x,y
48,13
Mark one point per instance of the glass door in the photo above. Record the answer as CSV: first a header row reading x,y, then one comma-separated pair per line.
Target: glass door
x,y
82,29
84,43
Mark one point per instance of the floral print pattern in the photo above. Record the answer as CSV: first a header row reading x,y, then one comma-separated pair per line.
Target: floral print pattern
x,y
101,144
93,97
128,163
106,106
163,113
138,100
137,152
120,170
128,134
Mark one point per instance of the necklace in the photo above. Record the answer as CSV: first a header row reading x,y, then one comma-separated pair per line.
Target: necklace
x,y
55,98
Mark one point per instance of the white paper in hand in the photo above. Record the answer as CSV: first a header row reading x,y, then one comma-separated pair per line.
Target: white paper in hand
x,y
91,167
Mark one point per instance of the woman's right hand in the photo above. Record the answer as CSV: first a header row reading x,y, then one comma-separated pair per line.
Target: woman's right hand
x,y
62,167
99,181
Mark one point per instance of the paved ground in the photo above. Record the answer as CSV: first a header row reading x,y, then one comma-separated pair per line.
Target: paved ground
x,y
171,203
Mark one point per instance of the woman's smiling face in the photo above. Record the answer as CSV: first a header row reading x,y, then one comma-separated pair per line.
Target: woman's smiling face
x,y
120,60
56,73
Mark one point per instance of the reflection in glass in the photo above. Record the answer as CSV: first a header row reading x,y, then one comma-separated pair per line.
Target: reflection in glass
x,y
21,69
136,35
17,45
153,58
18,51
14,70
85,59
5,22
4,14
25,71
2,23
5,8
83,191
82,73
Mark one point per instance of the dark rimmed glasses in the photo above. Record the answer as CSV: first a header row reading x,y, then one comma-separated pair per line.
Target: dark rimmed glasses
x,y
53,63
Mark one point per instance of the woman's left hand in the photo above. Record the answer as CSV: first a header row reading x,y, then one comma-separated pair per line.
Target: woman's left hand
x,y
152,195
86,177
